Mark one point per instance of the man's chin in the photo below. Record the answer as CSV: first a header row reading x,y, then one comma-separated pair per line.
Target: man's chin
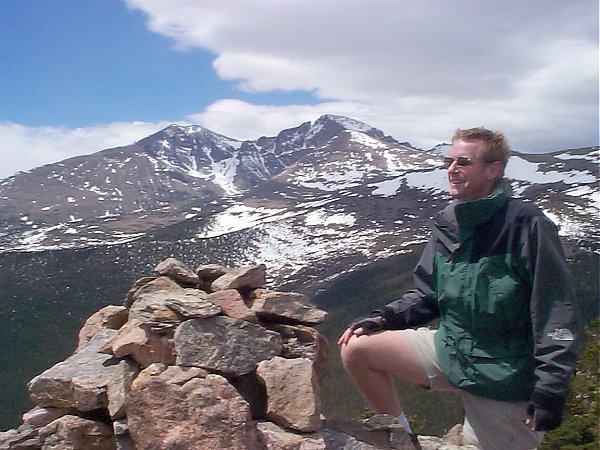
x,y
454,193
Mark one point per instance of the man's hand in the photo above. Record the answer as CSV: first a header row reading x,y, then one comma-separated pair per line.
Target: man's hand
x,y
368,325
541,419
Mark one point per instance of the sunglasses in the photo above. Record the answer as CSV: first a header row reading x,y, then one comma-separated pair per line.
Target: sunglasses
x,y
461,161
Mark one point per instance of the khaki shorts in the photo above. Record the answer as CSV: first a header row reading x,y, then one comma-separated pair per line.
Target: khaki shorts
x,y
489,424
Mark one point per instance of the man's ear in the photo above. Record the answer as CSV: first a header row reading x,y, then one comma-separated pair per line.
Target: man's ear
x,y
494,170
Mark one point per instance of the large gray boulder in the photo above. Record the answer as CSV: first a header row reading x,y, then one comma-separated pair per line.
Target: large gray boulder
x,y
287,307
224,345
82,380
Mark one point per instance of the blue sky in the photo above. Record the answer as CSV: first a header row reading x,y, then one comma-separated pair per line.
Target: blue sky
x,y
78,76
84,62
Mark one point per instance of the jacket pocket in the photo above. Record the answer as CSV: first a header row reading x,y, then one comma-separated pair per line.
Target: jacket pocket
x,y
498,301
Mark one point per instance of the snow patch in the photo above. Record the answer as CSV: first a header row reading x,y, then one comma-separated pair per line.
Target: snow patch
x,y
593,156
366,140
224,174
237,217
523,170
433,180
319,217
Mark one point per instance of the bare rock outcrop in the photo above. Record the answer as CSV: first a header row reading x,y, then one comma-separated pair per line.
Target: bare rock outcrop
x,y
225,345
242,278
287,381
74,432
82,380
285,307
205,413
136,339
232,304
196,360
112,316
178,271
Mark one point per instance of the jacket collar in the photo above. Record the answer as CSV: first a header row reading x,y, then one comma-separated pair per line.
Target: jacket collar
x,y
465,217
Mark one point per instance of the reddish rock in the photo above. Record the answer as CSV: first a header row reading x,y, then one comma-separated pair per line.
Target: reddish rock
x,y
232,305
112,317
242,279
204,413
177,271
72,432
287,381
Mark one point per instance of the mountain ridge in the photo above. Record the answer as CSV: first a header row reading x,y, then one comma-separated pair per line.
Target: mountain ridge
x,y
349,173
175,167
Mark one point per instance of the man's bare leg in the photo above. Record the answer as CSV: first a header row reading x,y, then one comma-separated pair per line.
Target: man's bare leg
x,y
371,360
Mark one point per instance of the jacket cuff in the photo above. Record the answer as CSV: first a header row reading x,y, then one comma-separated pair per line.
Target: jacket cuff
x,y
548,401
389,317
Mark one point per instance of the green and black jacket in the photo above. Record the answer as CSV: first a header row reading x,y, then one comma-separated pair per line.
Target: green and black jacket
x,y
494,271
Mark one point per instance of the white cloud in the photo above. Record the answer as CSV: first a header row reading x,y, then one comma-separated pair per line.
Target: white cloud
x,y
22,148
417,70
423,68
243,120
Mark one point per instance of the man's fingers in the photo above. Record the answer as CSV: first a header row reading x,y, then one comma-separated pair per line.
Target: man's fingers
x,y
345,337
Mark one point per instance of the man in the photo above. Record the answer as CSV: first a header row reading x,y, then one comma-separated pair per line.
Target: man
x,y
494,272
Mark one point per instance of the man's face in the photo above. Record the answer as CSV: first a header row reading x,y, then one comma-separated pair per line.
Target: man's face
x,y
475,180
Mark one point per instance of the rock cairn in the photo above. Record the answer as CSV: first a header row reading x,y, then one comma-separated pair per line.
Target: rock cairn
x,y
206,359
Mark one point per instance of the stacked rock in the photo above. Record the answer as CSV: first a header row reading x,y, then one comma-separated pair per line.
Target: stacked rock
x,y
206,359
193,359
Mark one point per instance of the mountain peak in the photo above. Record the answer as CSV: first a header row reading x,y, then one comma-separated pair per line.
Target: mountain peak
x,y
197,131
345,122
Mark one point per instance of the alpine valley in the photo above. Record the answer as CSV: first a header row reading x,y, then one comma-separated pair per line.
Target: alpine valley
x,y
324,205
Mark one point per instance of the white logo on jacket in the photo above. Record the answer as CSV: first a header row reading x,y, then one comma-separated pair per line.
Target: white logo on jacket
x,y
561,334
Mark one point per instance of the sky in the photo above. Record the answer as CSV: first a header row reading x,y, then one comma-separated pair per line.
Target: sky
x,y
79,76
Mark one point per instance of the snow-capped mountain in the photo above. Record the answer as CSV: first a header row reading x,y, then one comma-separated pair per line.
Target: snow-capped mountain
x,y
118,194
330,195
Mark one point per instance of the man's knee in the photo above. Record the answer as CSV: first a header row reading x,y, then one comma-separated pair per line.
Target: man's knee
x,y
352,352
391,352
358,352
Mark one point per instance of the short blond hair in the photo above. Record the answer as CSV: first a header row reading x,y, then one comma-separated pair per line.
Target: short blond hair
x,y
495,146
